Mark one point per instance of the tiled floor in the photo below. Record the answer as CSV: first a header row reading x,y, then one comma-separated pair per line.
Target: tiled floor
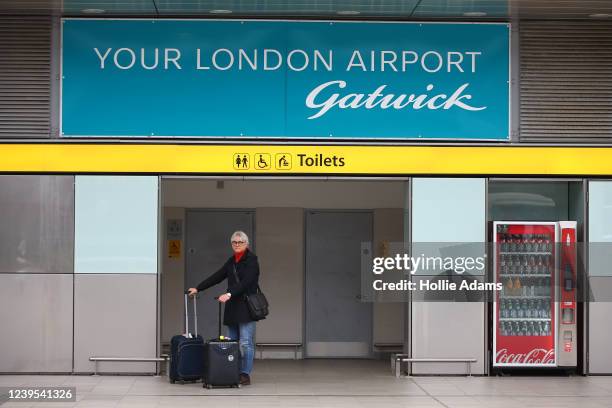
x,y
330,383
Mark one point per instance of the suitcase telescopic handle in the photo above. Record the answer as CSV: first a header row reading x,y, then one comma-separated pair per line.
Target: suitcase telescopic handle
x,y
195,314
220,314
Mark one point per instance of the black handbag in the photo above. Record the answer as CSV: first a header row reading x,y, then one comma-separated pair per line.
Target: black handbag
x,y
256,302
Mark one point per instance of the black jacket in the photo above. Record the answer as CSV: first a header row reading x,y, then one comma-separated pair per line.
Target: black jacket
x,y
236,309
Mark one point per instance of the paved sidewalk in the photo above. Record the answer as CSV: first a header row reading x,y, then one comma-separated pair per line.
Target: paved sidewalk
x,y
329,383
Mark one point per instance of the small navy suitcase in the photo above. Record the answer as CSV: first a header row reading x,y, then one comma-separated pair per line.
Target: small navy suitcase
x,y
187,353
221,360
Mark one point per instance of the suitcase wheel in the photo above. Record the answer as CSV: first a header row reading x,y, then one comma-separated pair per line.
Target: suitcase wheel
x,y
172,381
182,382
208,387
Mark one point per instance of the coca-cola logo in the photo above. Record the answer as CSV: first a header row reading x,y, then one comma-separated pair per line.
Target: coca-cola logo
x,y
535,356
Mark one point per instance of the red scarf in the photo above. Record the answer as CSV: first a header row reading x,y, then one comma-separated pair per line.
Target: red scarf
x,y
238,256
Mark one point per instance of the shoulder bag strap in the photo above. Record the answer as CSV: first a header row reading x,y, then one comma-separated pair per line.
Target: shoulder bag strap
x,y
238,279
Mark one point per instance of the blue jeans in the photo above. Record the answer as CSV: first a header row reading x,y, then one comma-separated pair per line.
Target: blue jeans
x,y
244,333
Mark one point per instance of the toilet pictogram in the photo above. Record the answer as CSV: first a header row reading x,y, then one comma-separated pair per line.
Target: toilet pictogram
x,y
241,161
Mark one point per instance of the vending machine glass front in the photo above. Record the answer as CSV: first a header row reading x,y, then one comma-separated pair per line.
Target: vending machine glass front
x,y
524,310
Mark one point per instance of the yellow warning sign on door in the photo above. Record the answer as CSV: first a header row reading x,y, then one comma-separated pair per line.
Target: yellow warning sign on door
x,y
174,248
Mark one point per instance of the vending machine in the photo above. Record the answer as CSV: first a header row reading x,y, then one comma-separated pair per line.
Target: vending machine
x,y
534,313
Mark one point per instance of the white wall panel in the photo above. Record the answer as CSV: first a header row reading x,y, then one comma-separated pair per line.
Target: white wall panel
x,y
116,224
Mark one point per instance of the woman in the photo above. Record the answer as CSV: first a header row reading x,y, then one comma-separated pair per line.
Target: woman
x,y
243,265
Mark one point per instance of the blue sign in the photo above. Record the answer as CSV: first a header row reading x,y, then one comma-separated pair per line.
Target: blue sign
x,y
275,79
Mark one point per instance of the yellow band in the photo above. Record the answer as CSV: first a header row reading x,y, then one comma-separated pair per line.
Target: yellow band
x,y
325,160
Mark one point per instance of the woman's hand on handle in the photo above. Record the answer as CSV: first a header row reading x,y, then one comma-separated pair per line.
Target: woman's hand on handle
x,y
224,297
192,291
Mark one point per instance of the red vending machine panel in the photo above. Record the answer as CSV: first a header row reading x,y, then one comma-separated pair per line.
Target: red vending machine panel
x,y
525,312
567,355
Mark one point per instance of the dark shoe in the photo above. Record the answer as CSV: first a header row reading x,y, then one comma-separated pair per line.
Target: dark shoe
x,y
245,379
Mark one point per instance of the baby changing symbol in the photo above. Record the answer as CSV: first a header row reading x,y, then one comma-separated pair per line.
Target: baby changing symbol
x,y
282,161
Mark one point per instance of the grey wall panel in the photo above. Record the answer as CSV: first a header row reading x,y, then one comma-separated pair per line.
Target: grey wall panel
x,y
115,316
25,76
600,338
600,321
36,323
448,330
280,247
37,218
566,81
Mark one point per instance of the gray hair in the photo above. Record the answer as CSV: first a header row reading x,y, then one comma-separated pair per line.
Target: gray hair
x,y
241,235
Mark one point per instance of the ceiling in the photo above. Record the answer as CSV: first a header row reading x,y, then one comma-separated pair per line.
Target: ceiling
x,y
478,10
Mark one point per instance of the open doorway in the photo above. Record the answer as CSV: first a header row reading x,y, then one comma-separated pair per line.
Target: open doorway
x,y
307,235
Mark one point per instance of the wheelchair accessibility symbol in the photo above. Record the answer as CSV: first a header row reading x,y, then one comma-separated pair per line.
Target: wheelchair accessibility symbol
x,y
262,161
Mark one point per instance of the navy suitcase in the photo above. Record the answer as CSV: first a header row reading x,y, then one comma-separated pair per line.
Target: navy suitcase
x,y
221,360
187,353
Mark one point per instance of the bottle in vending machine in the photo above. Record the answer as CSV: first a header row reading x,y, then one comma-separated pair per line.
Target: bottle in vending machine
x,y
540,265
528,327
529,309
516,328
533,243
517,286
539,243
517,243
504,243
509,286
524,328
